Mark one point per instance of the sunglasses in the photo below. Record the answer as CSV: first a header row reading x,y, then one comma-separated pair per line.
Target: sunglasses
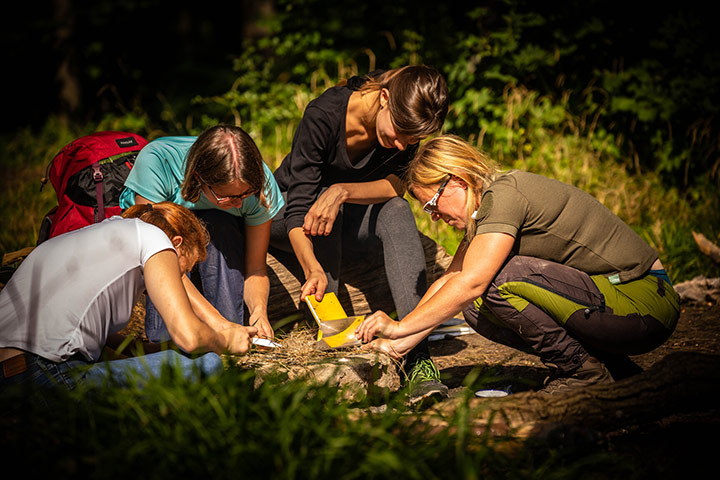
x,y
230,198
431,206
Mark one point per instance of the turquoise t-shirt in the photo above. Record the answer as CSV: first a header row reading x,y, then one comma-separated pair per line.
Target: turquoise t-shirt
x,y
158,175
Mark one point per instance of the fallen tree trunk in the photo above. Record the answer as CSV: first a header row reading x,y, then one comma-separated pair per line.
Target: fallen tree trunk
x,y
699,289
682,382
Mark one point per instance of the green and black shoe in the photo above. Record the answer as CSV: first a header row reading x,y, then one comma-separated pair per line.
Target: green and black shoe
x,y
425,386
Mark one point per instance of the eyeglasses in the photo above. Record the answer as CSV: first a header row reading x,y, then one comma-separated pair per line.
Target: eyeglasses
x,y
229,198
431,206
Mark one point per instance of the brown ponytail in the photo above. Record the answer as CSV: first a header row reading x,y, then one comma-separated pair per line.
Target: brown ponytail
x,y
418,98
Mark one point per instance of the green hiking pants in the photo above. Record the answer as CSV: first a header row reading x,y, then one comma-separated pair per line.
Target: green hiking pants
x,y
564,314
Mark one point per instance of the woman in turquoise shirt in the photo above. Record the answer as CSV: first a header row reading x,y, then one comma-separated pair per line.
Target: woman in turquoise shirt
x,y
221,177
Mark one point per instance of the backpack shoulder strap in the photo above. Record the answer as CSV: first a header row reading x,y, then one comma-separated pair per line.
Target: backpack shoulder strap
x,y
98,179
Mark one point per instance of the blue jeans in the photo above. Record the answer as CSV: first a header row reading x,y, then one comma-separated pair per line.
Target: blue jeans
x,y
219,278
68,374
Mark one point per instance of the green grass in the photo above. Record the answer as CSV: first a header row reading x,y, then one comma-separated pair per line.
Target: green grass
x,y
224,428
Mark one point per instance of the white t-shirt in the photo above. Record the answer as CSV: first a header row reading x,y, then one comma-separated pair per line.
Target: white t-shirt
x,y
75,289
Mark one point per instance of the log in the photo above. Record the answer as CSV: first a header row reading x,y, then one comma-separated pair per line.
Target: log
x,y
355,374
707,247
12,257
682,382
698,290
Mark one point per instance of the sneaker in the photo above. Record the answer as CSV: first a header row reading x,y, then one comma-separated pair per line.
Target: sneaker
x,y
424,384
591,372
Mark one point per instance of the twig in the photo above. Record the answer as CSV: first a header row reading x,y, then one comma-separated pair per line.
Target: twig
x,y
707,247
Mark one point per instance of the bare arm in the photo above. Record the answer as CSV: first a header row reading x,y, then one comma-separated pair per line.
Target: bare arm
x,y
204,309
398,348
315,278
482,260
320,218
165,288
257,284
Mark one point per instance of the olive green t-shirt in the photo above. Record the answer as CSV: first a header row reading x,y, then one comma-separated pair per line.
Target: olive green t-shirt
x,y
561,223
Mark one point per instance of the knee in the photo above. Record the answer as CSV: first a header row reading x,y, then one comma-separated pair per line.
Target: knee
x,y
396,207
395,218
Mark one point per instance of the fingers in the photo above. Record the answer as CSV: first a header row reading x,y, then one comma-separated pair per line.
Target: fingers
x,y
237,338
384,346
315,284
377,325
266,330
261,324
368,328
320,219
320,292
318,226
309,288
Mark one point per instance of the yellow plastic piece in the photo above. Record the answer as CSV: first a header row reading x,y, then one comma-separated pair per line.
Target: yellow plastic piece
x,y
325,313
346,337
328,309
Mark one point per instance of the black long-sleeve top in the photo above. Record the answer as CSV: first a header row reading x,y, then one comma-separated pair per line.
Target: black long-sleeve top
x,y
319,157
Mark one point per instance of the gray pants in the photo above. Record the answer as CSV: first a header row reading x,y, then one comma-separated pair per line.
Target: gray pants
x,y
360,231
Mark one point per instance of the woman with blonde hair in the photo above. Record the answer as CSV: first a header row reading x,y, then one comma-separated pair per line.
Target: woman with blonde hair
x,y
221,177
543,266
342,183
77,289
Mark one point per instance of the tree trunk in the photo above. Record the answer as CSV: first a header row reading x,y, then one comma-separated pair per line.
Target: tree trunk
x,y
70,93
682,382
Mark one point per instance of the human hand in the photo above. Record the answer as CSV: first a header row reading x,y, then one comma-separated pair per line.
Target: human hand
x,y
377,325
237,338
383,345
319,220
261,322
315,284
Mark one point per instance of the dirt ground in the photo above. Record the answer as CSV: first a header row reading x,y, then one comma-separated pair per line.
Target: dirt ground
x,y
677,446
698,330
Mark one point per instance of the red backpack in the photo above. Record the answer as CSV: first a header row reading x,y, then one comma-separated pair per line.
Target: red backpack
x,y
88,176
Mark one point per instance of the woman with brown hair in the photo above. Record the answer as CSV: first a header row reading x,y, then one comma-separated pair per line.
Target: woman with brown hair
x,y
75,290
344,195
221,177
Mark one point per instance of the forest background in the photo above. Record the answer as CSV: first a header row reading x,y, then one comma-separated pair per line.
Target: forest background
x,y
617,98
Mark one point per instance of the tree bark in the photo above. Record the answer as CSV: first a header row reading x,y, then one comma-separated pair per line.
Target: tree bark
x,y
682,382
